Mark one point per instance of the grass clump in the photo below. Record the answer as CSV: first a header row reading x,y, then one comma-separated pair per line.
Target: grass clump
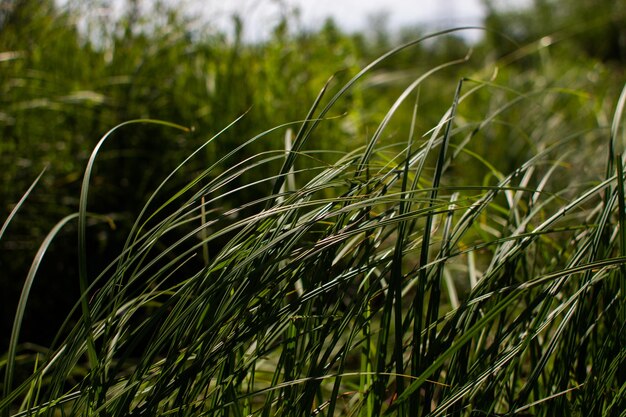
x,y
371,281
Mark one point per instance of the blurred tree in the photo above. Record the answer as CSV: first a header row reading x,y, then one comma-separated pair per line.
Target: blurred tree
x,y
594,27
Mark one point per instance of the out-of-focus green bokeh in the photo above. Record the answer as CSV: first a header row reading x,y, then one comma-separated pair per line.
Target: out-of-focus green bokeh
x,y
68,76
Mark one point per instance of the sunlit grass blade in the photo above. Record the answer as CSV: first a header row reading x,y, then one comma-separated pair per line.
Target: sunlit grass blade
x,y
21,307
82,225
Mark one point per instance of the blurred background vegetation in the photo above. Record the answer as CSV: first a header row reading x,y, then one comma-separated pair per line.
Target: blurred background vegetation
x,y
68,75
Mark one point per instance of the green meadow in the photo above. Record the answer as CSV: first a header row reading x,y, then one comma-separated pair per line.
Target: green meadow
x,y
321,223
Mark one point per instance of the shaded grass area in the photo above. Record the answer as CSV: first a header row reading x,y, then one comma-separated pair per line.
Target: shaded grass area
x,y
373,280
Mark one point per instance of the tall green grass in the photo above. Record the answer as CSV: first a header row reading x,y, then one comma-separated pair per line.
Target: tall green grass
x,y
374,281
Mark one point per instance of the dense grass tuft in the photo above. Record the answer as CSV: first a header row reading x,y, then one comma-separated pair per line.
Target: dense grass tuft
x,y
380,280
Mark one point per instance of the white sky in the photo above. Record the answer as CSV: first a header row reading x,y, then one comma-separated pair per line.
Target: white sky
x,y
351,15
261,16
